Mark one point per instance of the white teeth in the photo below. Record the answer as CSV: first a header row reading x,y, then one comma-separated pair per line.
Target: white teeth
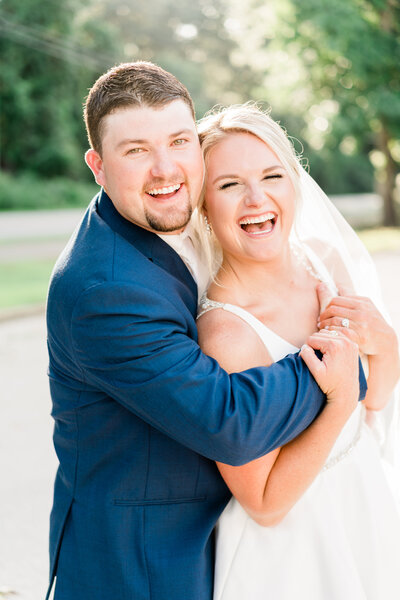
x,y
165,190
260,219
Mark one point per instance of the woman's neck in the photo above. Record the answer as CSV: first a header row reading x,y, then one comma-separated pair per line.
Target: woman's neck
x,y
247,282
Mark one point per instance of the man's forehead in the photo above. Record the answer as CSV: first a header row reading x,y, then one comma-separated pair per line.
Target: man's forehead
x,y
147,118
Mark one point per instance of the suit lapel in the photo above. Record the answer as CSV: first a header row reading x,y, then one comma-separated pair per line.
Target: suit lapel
x,y
146,242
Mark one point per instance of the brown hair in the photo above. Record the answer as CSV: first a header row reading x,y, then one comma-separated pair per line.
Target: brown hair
x,y
130,84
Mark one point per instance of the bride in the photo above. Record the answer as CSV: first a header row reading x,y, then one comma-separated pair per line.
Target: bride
x,y
315,519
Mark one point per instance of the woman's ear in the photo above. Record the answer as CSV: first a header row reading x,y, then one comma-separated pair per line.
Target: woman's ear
x,y
95,164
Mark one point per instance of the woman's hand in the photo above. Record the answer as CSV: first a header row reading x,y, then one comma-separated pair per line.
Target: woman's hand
x,y
359,319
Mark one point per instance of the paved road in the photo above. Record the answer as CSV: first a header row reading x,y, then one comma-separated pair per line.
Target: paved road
x,y
28,224
27,459
37,234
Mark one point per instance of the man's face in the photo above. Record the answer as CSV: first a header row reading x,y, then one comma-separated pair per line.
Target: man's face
x,y
151,165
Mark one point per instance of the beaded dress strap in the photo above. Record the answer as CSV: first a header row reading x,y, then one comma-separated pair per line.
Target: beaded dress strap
x,y
206,304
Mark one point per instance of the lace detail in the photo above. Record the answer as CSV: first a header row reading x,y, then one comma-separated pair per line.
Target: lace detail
x,y
300,252
206,304
349,449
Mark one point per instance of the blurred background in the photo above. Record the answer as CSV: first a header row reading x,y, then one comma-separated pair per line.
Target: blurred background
x,y
329,71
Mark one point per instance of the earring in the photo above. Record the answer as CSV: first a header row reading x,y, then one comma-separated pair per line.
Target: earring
x,y
208,225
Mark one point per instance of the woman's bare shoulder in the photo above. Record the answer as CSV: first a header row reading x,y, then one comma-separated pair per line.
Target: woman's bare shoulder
x,y
231,341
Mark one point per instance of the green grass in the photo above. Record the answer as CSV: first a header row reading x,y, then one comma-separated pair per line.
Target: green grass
x,y
381,238
24,282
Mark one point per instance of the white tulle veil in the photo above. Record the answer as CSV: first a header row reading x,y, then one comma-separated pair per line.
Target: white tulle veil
x,y
321,229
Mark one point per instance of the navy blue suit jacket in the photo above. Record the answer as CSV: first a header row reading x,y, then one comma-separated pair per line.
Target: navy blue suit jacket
x,y
141,414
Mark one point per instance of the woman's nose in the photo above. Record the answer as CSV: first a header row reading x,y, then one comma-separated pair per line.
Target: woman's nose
x,y
254,196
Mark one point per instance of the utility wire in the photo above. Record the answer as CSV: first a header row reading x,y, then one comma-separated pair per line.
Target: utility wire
x,y
63,49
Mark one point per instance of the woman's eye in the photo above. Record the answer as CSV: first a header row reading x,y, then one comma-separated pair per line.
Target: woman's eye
x,y
274,176
179,142
227,185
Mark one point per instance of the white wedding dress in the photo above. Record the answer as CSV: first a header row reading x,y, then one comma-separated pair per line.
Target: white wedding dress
x,y
341,541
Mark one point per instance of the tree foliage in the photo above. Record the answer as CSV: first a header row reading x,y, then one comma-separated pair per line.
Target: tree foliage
x,y
329,70
351,50
42,81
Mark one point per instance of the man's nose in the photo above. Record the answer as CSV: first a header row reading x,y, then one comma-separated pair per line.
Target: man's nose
x,y
163,165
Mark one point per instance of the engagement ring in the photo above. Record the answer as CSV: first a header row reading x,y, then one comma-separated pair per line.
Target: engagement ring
x,y
345,323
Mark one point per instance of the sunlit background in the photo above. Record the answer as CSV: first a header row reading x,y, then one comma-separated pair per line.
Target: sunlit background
x,y
329,71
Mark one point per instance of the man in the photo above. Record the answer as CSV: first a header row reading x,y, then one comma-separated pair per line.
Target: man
x,y
140,413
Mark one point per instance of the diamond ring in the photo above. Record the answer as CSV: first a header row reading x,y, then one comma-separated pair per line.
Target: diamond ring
x,y
345,323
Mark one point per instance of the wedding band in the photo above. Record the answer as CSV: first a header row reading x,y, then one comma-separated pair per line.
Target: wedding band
x,y
333,332
345,323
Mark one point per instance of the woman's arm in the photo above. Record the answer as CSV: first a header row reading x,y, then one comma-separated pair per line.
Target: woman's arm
x,y
269,486
375,338
384,372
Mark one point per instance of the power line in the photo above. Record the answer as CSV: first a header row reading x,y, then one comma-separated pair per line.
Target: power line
x,y
63,49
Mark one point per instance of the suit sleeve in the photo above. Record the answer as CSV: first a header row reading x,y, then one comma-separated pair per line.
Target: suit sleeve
x,y
156,370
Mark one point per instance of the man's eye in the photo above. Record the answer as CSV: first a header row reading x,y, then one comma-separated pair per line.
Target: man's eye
x,y
135,150
179,142
227,185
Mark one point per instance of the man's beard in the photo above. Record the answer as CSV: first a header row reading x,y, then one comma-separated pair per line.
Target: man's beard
x,y
170,222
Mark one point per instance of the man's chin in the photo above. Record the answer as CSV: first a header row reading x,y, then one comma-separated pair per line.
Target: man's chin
x,y
169,223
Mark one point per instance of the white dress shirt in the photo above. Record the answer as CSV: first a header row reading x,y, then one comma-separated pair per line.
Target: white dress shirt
x,y
188,247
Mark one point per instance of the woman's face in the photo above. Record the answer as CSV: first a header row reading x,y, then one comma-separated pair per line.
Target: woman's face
x,y
249,198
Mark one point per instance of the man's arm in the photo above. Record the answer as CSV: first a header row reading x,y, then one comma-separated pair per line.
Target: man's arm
x,y
153,368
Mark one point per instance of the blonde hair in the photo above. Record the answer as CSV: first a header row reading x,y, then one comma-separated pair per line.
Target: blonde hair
x,y
241,118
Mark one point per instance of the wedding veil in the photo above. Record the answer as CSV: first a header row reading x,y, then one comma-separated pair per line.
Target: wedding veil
x,y
320,227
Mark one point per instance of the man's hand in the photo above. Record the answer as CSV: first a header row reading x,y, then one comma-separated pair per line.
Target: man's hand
x,y
337,373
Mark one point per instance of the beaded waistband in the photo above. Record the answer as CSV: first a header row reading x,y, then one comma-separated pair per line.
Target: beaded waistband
x,y
334,460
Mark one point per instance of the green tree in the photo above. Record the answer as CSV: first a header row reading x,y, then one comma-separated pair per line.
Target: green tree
x,y
191,39
43,79
330,72
351,50
52,53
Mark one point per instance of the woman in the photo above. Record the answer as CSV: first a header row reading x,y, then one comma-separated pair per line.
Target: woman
x,y
316,518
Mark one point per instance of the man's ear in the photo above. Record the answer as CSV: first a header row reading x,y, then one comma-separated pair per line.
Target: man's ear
x,y
95,164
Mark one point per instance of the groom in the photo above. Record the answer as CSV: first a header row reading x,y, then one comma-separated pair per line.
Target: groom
x,y
140,413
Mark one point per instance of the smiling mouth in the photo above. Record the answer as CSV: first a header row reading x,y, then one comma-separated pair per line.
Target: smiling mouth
x,y
164,193
260,224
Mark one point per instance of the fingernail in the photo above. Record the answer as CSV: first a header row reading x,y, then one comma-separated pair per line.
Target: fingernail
x,y
304,347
